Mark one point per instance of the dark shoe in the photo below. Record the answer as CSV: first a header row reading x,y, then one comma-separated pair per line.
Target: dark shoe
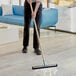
x,y
24,50
37,51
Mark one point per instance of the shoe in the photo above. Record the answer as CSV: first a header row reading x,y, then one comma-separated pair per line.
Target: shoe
x,y
37,51
24,50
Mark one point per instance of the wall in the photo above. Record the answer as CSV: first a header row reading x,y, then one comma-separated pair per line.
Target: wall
x,y
4,2
16,2
67,19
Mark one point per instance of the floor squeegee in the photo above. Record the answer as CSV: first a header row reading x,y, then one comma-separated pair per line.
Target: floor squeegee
x,y
44,65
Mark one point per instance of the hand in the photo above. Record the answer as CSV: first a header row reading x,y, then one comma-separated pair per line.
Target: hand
x,y
34,15
29,1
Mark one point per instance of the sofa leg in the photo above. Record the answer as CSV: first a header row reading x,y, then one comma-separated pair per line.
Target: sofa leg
x,y
55,29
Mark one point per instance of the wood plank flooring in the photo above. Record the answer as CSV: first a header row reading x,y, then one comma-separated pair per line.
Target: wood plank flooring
x,y
58,48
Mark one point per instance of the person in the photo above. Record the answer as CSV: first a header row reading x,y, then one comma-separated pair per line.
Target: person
x,y
37,13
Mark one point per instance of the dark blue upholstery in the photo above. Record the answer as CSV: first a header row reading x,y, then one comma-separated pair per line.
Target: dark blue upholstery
x,y
0,11
18,10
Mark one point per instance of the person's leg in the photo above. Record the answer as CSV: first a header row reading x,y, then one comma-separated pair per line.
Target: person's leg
x,y
38,22
27,19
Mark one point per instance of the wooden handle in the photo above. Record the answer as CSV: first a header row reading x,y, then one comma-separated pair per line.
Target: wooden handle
x,y
37,35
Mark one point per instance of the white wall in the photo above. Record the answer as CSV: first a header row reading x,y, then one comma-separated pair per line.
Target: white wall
x,y
67,19
4,2
23,2
15,2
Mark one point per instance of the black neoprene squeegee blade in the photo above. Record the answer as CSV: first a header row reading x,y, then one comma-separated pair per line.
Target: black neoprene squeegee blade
x,y
43,67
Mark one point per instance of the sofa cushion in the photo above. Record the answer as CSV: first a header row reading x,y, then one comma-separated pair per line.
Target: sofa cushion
x,y
6,9
12,19
49,17
0,10
18,10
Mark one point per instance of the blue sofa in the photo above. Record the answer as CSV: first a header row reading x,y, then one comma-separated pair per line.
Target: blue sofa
x,y
49,17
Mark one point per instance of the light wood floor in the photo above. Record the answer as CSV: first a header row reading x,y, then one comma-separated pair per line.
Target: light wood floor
x,y
58,48
55,42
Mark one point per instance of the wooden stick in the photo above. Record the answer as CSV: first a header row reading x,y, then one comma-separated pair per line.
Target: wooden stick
x,y
38,35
